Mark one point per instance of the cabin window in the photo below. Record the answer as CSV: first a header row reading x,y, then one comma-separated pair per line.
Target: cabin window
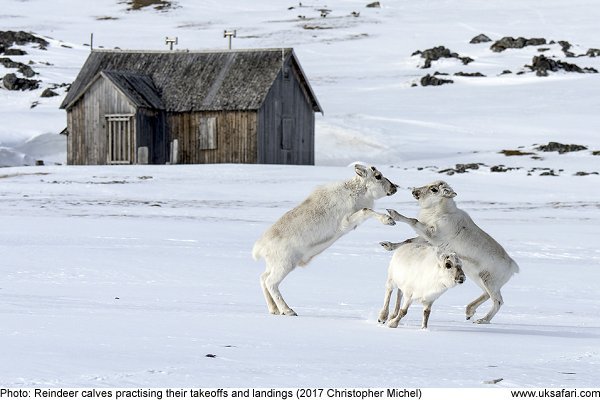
x,y
207,139
287,133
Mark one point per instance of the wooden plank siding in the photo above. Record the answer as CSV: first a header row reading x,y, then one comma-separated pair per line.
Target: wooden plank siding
x,y
244,106
286,101
235,131
88,138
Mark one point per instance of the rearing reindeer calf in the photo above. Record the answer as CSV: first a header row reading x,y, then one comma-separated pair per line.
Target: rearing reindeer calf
x,y
446,226
327,214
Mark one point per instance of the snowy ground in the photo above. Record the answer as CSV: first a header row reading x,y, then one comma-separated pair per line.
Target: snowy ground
x,y
130,276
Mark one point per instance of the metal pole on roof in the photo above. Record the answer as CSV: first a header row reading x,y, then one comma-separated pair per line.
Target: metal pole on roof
x,y
230,34
92,41
171,41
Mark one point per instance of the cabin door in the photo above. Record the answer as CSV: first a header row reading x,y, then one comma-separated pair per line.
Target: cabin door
x,y
121,139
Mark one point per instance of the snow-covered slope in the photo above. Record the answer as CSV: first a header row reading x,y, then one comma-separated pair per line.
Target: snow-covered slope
x,y
361,68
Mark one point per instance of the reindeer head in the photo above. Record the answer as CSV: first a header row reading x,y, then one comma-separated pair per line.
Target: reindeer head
x,y
451,264
433,193
376,183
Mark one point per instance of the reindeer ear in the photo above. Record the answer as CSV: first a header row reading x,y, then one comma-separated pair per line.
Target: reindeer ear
x,y
360,170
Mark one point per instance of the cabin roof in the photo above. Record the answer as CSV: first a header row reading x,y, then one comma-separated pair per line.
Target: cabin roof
x,y
181,81
139,88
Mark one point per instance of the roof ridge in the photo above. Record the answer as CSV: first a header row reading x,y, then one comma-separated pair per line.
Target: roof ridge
x,y
188,51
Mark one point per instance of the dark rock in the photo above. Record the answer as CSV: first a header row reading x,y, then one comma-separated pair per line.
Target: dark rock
x,y
596,153
480,39
11,82
549,173
8,38
14,52
509,42
441,73
506,71
211,355
464,167
543,49
447,171
22,68
435,53
159,5
48,93
510,153
582,173
593,53
498,168
469,74
565,46
8,63
535,42
429,80
460,169
375,4
542,64
561,148
26,70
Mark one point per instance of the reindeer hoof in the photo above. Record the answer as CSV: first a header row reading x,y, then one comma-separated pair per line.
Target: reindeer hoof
x,y
290,313
481,321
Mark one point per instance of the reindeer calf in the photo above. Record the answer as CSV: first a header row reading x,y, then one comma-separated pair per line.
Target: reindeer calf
x,y
327,214
421,272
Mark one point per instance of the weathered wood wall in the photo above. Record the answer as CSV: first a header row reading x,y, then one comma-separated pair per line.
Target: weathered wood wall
x,y
87,142
281,131
236,137
286,123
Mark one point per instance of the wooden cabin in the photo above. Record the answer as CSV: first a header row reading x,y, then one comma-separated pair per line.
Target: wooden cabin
x,y
157,107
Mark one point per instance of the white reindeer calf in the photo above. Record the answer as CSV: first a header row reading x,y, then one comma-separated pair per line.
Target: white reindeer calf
x,y
420,272
446,226
327,214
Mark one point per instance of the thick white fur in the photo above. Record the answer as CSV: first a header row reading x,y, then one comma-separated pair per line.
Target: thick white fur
x,y
305,231
420,272
444,225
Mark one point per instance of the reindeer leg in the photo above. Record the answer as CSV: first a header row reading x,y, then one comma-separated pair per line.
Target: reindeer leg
x,y
423,230
406,302
272,281
352,221
472,307
383,314
497,302
269,299
426,313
